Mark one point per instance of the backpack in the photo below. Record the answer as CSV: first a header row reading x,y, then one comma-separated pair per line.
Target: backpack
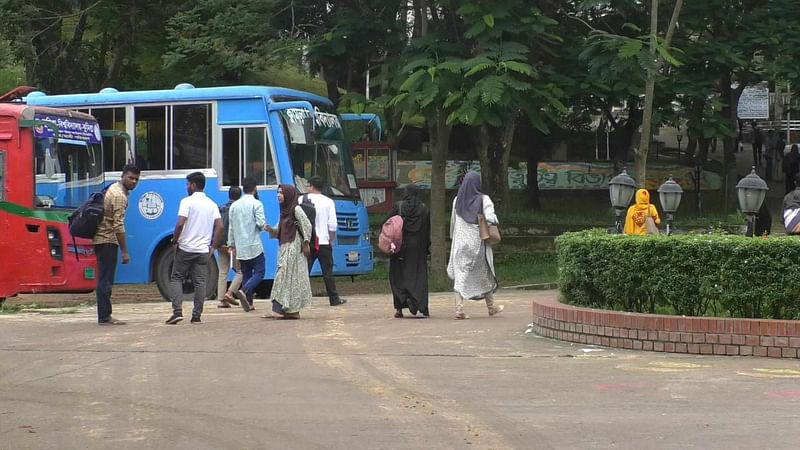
x,y
391,237
84,221
311,213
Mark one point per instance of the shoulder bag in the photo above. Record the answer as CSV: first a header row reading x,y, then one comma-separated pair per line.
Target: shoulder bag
x,y
488,232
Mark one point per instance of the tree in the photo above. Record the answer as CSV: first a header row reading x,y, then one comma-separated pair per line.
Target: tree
x,y
500,85
80,45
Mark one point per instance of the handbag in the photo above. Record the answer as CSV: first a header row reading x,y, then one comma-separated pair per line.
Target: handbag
x,y
650,226
488,232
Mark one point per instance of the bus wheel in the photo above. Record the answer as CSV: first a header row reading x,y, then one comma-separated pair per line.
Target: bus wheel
x,y
164,271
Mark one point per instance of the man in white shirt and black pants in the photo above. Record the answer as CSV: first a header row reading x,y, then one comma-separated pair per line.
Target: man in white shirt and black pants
x,y
198,220
325,226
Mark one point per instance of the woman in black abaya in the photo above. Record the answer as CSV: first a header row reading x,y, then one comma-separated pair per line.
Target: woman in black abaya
x,y
408,268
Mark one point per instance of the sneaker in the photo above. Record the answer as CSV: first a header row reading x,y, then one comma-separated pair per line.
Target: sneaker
x,y
175,318
111,321
223,305
195,320
495,310
339,301
243,301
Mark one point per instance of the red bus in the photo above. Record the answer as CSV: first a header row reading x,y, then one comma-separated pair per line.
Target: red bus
x,y
50,161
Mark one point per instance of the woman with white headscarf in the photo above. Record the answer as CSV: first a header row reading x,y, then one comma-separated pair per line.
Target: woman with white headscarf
x,y
471,264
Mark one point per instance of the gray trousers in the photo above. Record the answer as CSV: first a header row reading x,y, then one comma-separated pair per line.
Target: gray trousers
x,y
184,264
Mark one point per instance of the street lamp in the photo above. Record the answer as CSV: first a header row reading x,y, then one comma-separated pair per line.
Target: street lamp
x,y
679,137
669,194
621,189
751,191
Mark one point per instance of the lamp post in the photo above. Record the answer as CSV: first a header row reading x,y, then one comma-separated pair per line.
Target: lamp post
x,y
750,192
621,189
669,194
679,137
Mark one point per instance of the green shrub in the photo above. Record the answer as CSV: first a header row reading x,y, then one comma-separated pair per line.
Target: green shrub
x,y
688,275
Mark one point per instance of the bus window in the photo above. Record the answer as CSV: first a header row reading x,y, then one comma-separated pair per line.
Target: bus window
x,y
151,141
246,151
72,170
231,159
2,176
191,136
114,148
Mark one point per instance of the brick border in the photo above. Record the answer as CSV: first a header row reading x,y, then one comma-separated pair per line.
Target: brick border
x,y
673,334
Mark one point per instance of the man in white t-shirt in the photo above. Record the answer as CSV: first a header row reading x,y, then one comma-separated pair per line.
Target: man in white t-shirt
x,y
198,220
325,228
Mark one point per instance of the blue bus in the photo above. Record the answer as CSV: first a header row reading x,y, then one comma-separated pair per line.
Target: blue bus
x,y
276,135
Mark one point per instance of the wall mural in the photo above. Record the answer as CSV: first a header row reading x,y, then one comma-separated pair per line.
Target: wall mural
x,y
558,175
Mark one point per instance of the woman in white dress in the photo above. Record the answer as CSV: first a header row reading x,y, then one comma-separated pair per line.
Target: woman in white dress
x,y
471,264
291,290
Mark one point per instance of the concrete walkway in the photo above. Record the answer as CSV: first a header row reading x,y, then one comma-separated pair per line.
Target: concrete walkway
x,y
353,378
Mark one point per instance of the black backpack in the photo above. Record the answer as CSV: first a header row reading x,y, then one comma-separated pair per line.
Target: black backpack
x,y
311,213
84,221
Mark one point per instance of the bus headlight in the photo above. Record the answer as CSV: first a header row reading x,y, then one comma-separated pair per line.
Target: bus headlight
x,y
54,243
366,237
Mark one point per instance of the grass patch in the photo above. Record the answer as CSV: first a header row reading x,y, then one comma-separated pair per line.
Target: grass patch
x,y
10,309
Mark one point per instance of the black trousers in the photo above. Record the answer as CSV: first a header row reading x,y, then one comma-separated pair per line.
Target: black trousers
x,y
325,257
106,255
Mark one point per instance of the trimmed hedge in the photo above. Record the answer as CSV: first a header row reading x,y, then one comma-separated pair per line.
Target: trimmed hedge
x,y
688,275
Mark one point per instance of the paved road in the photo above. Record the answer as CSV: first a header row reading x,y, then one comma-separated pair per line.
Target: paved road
x,y
353,377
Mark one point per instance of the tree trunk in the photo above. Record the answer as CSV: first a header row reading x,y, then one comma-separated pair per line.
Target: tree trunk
x,y
505,151
487,171
649,90
440,140
331,82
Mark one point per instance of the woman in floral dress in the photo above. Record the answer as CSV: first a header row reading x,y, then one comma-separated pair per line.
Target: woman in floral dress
x,y
471,264
291,290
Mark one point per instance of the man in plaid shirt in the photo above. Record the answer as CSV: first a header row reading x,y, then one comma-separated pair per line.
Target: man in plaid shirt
x,y
110,237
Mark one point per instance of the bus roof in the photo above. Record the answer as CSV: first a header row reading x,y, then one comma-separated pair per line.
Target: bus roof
x,y
181,93
22,111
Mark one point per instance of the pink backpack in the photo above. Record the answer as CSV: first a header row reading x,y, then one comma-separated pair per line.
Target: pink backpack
x,y
391,237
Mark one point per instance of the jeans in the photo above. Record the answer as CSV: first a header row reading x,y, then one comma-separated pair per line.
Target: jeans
x,y
106,255
252,275
325,257
197,264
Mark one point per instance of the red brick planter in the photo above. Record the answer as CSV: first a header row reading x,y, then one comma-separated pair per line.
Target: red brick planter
x,y
674,334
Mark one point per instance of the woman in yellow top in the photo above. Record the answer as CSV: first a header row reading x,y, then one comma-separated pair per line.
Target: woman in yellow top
x,y
638,213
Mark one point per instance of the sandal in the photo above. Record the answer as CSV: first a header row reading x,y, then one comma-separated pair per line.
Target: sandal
x,y
228,298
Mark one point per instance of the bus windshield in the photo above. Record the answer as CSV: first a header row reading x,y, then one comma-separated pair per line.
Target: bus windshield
x,y
67,171
318,149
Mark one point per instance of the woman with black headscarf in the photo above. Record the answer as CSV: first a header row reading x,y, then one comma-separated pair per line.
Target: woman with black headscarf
x,y
291,290
471,264
408,268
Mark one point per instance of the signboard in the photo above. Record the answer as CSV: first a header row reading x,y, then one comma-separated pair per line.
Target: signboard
x,y
69,128
754,103
557,175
